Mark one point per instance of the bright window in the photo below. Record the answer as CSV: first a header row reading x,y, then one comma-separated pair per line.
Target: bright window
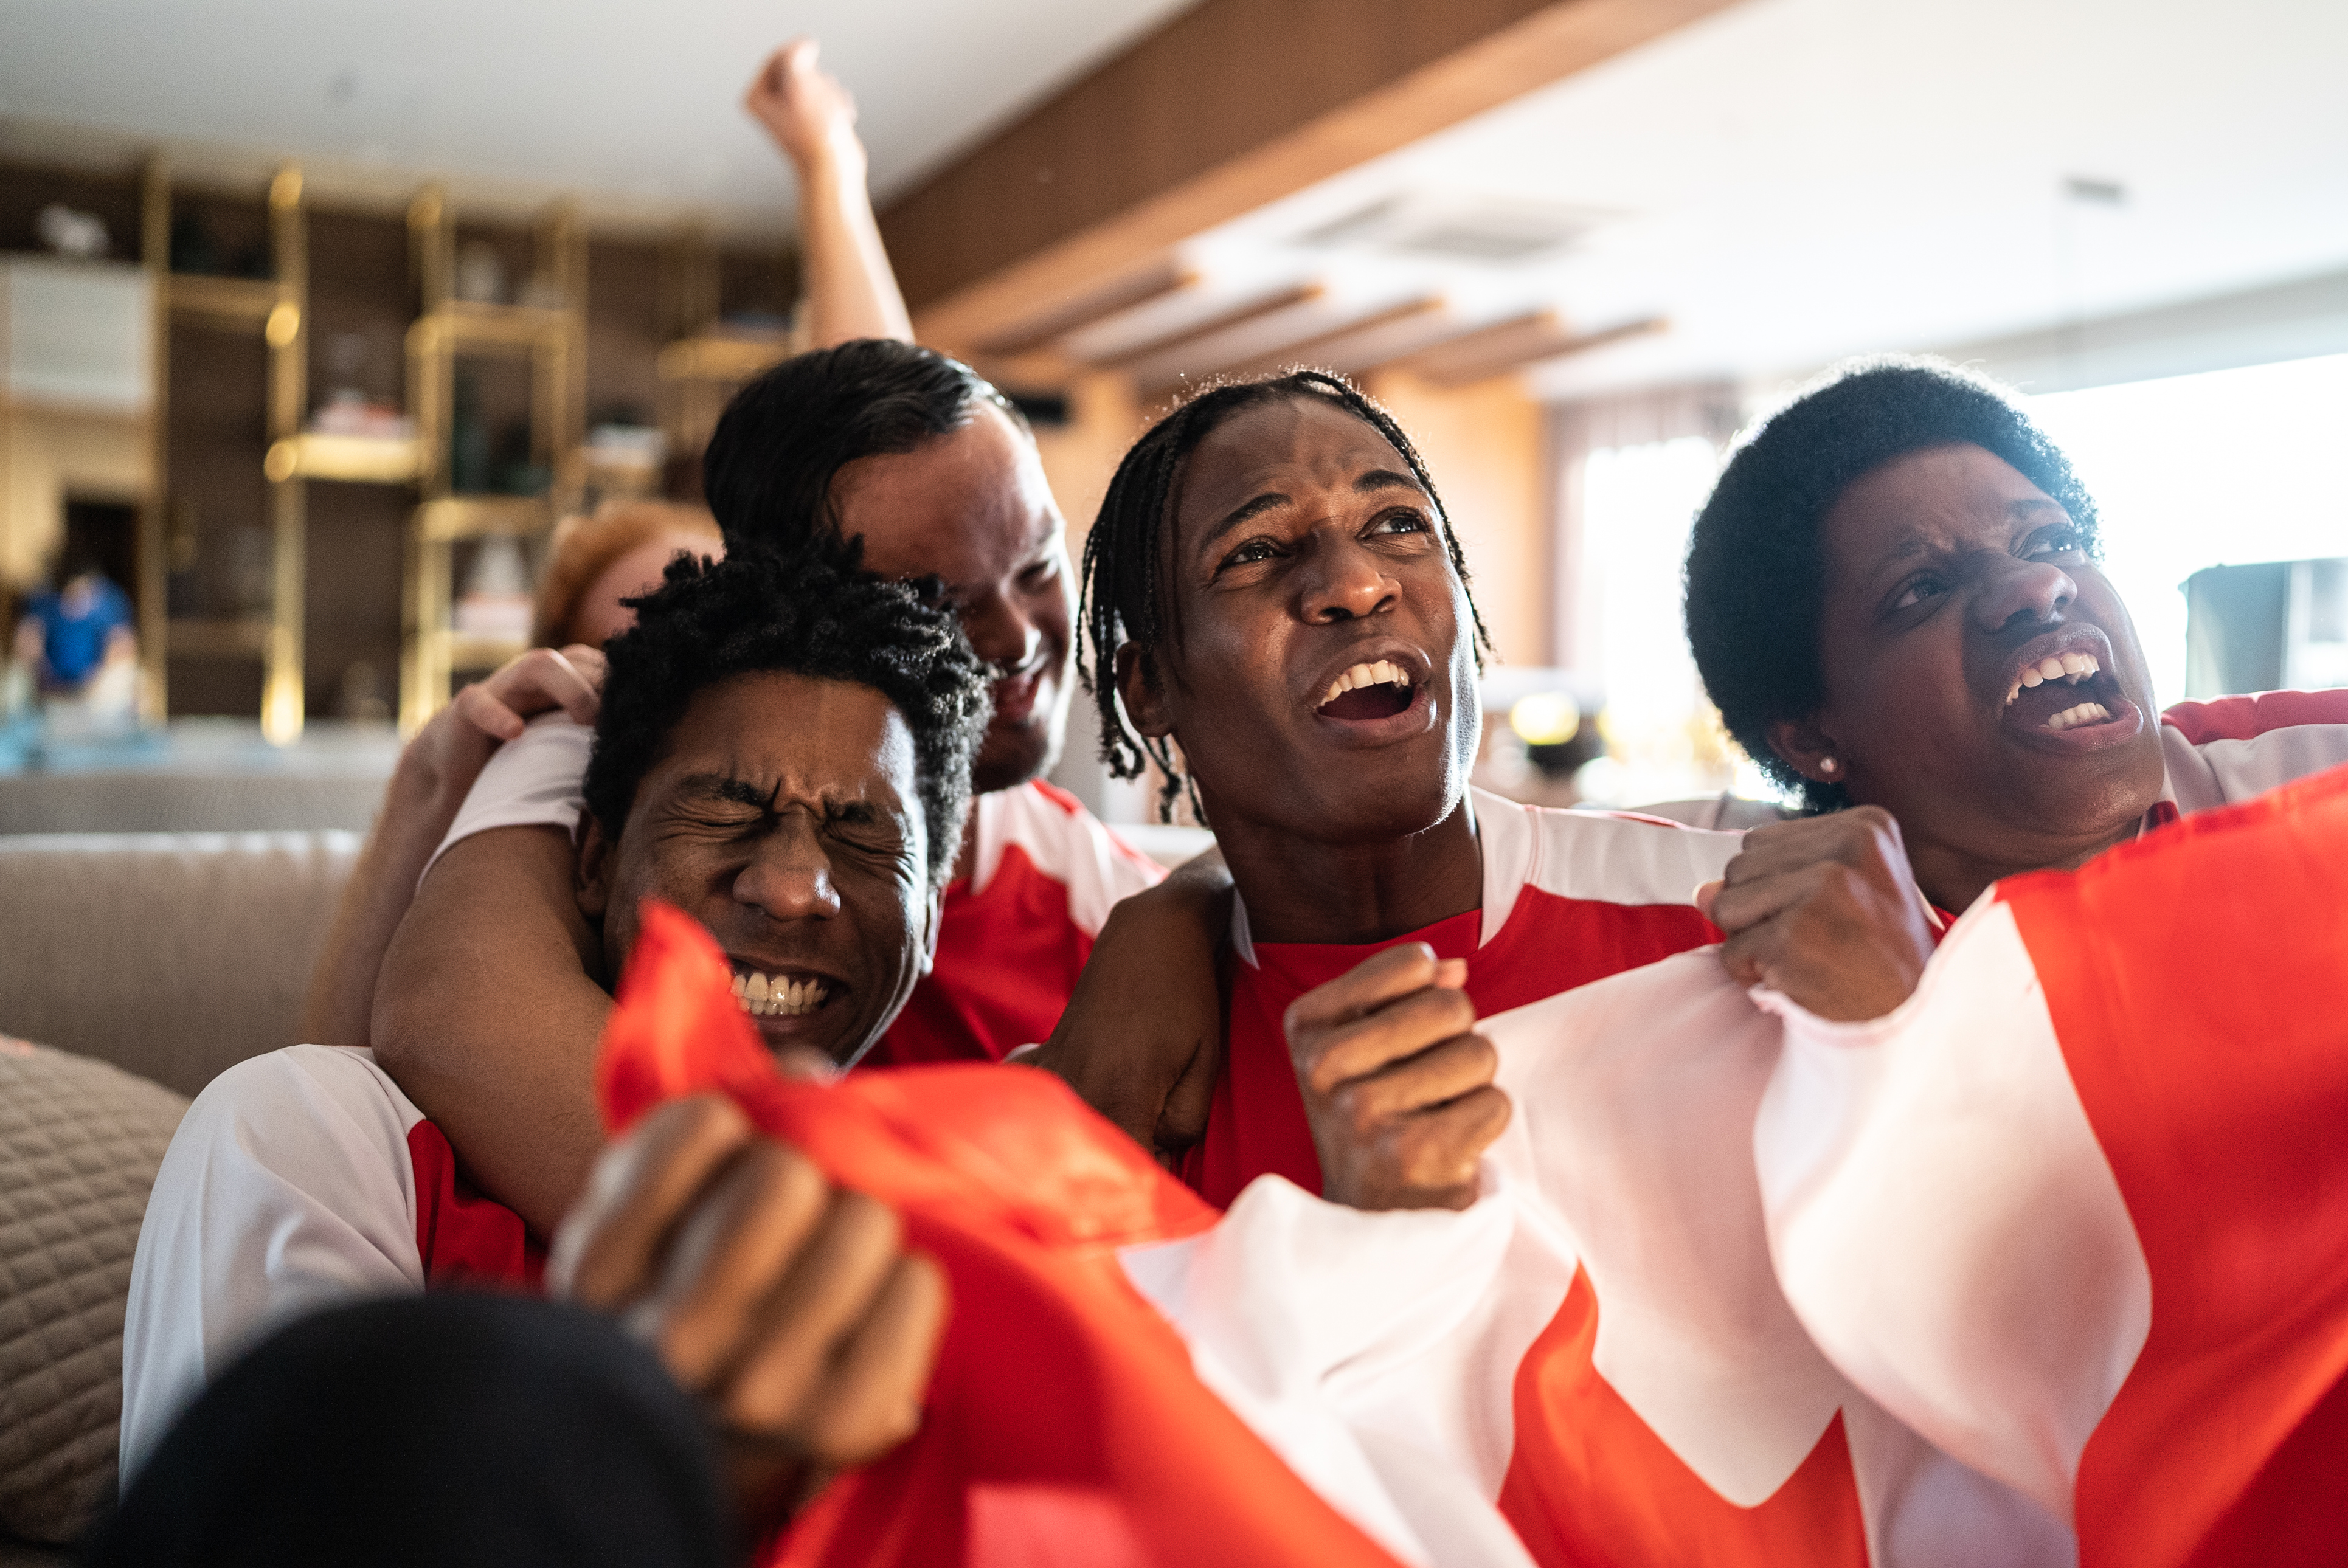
x,y
2227,468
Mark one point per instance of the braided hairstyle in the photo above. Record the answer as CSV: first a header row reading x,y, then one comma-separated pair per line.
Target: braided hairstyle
x,y
814,613
1755,567
1122,582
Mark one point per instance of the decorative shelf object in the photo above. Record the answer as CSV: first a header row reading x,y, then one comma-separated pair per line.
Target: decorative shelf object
x,y
352,459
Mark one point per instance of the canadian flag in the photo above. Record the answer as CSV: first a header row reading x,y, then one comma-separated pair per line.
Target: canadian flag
x,y
2051,1265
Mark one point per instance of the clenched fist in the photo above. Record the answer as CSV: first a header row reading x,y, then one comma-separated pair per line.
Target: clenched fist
x,y
1827,911
789,1306
1397,1086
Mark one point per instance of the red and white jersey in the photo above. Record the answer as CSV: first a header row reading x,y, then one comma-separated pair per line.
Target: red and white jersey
x,y
1570,897
2228,749
296,1178
1013,934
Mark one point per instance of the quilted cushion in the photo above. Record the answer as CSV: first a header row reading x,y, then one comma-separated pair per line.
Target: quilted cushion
x,y
79,1143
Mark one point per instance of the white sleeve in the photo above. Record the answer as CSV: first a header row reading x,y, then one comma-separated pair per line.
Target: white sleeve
x,y
288,1185
2217,772
534,780
1943,1219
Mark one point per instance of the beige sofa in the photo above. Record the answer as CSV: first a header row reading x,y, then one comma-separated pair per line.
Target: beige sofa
x,y
149,962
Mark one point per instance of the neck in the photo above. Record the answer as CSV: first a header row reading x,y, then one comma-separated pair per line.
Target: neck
x,y
1301,890
1953,876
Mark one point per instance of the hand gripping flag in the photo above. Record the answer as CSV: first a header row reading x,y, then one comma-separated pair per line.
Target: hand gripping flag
x,y
1064,1423
2078,1210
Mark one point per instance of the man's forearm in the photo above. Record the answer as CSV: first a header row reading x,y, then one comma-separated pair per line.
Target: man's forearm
x,y
489,1014
419,804
850,291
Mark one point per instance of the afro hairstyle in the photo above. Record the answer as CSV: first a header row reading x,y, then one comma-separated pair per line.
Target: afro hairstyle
x,y
1756,568
1123,588
813,613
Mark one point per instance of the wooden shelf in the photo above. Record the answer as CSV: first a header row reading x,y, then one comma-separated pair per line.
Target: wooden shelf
x,y
477,650
243,638
355,459
450,518
717,358
236,303
466,324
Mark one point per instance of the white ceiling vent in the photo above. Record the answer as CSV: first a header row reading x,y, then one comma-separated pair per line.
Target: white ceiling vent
x,y
1459,228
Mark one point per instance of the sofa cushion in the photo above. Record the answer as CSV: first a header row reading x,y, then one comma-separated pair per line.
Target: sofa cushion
x,y
79,1143
173,954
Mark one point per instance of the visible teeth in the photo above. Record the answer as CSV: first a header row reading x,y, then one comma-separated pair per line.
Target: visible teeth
x,y
2084,713
1384,672
2072,667
780,997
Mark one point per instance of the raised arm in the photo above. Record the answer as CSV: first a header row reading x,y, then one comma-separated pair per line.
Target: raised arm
x,y
435,770
486,1015
851,291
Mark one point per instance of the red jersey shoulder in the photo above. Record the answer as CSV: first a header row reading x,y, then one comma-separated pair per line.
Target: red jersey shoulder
x,y
1057,796
2246,718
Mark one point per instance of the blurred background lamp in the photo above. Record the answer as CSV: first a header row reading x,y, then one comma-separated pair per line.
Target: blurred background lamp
x,y
1545,718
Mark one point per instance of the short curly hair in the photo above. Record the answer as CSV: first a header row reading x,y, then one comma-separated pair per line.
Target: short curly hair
x,y
813,613
1122,585
1756,571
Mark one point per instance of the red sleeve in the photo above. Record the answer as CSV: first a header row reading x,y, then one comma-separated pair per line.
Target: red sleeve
x,y
2247,718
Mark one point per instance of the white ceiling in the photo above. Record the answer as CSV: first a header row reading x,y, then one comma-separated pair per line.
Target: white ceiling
x,y
1791,180
630,104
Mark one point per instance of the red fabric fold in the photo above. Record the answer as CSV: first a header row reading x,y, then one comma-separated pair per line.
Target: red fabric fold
x,y
1064,1406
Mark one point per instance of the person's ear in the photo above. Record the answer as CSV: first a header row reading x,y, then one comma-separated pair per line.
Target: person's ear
x,y
932,918
593,866
1809,751
1137,684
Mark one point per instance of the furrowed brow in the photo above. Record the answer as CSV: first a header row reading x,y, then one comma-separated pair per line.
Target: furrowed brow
x,y
1261,504
726,787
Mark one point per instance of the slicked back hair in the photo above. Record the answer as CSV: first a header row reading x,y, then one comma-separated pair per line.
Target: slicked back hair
x,y
1124,589
1755,567
786,434
815,614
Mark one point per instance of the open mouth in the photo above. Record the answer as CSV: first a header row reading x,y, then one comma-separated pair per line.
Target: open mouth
x,y
780,995
1368,692
2066,690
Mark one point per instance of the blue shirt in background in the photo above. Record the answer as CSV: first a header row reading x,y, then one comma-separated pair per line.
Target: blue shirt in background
x,y
74,645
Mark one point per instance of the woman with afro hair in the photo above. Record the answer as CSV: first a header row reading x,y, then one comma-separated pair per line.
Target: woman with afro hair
x,y
1895,596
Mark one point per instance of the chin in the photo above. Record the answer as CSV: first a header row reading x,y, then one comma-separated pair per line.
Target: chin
x,y
1010,757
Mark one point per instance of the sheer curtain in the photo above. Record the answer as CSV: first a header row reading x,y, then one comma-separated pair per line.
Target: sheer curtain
x,y
1631,473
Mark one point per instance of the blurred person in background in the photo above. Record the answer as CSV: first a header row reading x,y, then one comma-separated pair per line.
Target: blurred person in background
x,y
78,643
618,553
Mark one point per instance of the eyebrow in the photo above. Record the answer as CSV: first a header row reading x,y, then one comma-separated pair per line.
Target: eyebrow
x,y
726,787
1370,480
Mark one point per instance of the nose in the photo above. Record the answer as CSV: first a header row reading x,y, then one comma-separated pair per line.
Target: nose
x,y
1342,581
789,876
2022,592
1002,633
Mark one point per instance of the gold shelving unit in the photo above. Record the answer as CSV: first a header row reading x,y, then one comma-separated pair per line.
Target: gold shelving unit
x,y
700,368
276,309
554,340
